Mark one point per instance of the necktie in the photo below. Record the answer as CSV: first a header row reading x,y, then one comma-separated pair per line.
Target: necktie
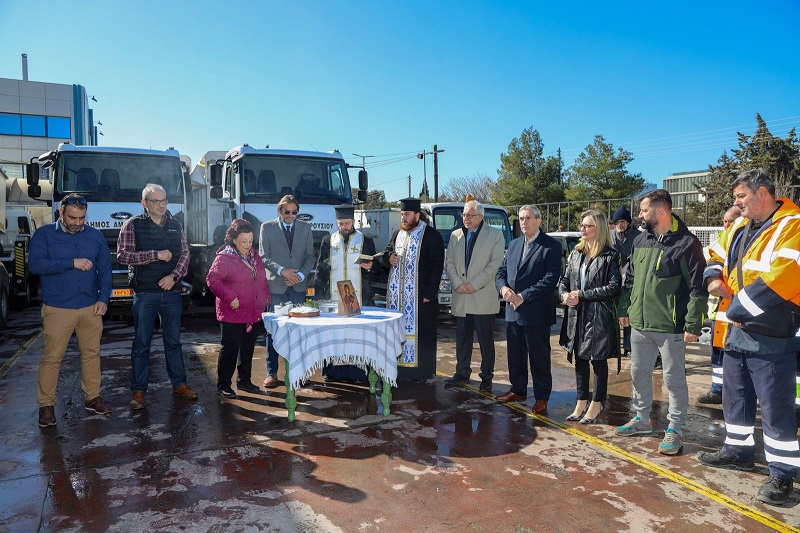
x,y
470,241
288,235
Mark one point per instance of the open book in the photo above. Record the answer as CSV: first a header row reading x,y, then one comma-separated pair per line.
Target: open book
x,y
364,258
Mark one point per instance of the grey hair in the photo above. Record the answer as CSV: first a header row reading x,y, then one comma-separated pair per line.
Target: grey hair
x,y
476,204
150,188
533,209
753,179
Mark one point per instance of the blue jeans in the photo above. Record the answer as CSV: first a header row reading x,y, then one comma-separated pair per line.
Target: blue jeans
x,y
291,295
146,306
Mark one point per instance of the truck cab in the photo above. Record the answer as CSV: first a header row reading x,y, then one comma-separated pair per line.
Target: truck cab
x,y
112,179
248,183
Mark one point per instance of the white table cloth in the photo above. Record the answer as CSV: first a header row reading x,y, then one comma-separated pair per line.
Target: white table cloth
x,y
373,339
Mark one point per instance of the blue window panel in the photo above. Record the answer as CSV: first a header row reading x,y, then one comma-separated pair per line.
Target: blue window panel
x,y
59,128
9,124
33,125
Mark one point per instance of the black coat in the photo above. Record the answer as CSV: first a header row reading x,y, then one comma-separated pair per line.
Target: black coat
x,y
592,330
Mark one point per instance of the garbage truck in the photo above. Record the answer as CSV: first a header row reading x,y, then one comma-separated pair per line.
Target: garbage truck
x,y
248,183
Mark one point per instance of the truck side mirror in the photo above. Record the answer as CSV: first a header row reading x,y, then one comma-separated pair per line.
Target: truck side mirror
x,y
32,173
216,192
215,180
363,181
34,191
362,196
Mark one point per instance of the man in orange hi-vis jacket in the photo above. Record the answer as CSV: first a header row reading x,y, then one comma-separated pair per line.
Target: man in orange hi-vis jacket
x,y
754,269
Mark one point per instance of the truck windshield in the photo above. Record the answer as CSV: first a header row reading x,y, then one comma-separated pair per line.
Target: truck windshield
x,y
447,219
266,179
103,176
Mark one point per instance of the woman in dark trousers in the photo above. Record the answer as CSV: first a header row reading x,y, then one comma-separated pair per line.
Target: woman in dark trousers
x,y
590,333
238,280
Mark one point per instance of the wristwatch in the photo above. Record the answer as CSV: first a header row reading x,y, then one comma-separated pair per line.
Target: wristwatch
x,y
175,278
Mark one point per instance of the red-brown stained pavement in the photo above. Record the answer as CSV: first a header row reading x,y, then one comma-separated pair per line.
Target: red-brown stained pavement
x,y
444,460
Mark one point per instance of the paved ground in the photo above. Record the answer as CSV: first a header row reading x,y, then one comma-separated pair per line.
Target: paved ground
x,y
444,460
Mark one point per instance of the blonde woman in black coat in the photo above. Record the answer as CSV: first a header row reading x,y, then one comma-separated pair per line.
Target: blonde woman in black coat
x,y
590,334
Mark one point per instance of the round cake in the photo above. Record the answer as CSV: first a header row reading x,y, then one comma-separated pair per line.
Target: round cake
x,y
302,312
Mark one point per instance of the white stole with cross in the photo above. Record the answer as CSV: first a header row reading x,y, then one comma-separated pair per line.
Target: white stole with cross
x,y
402,289
344,263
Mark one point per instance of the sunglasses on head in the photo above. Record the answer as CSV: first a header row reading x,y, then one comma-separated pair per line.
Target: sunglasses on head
x,y
73,201
287,212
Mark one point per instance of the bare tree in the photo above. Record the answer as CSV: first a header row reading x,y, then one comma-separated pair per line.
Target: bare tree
x,y
480,186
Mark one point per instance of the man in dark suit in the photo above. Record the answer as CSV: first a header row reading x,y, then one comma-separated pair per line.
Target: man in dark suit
x,y
286,246
527,281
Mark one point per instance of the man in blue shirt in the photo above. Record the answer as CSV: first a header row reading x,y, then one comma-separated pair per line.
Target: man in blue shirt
x,y
74,263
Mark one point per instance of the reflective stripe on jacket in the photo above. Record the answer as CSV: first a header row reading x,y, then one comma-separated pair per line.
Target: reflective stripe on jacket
x,y
770,274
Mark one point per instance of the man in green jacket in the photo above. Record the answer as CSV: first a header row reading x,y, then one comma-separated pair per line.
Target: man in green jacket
x,y
663,300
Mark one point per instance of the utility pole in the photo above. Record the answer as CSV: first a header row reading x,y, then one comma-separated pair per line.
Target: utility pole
x,y
436,153
363,159
409,185
422,155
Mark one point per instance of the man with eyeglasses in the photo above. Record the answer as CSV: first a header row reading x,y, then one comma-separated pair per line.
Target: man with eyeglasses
x,y
286,246
155,249
527,281
75,267
474,254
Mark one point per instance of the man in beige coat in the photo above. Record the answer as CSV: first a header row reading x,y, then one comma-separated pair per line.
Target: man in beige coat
x,y
473,256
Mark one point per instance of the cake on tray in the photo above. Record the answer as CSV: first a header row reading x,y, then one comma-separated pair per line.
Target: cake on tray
x,y
303,312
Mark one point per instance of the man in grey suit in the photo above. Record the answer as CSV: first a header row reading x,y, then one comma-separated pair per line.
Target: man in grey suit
x,y
473,256
527,281
286,246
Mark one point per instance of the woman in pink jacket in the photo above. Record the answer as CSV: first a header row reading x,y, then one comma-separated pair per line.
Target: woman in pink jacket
x,y
238,280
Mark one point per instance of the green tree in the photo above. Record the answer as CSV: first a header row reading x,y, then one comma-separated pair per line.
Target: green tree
x,y
526,176
599,172
779,157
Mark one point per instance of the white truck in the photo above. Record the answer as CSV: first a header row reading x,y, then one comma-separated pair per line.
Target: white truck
x,y
112,179
445,217
248,183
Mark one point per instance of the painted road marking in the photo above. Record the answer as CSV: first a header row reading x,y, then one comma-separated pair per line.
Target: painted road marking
x,y
746,510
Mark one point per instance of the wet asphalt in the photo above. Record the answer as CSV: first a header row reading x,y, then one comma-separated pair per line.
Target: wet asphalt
x,y
444,459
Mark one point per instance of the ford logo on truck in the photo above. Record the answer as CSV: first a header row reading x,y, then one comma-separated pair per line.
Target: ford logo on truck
x,y
305,217
120,215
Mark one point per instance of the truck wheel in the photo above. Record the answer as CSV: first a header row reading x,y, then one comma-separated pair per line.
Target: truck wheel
x,y
3,307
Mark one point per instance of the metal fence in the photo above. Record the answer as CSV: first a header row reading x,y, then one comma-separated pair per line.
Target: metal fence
x,y
564,216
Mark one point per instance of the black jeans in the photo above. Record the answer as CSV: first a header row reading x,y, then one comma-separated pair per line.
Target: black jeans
x,y
582,375
237,345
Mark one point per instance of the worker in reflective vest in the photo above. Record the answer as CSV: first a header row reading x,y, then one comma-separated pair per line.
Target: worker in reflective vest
x,y
754,269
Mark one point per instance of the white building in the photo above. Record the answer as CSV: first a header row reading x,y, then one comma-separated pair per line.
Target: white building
x,y
36,116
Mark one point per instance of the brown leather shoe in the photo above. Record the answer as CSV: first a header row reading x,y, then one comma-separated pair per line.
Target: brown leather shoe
x,y
98,406
184,392
539,407
137,402
47,416
509,397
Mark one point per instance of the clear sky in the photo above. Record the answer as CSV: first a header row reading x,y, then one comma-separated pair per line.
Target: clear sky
x,y
671,82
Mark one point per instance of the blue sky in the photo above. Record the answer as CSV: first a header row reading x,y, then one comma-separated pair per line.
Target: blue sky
x,y
670,82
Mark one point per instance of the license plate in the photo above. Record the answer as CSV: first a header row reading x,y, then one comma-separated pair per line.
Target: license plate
x,y
122,292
